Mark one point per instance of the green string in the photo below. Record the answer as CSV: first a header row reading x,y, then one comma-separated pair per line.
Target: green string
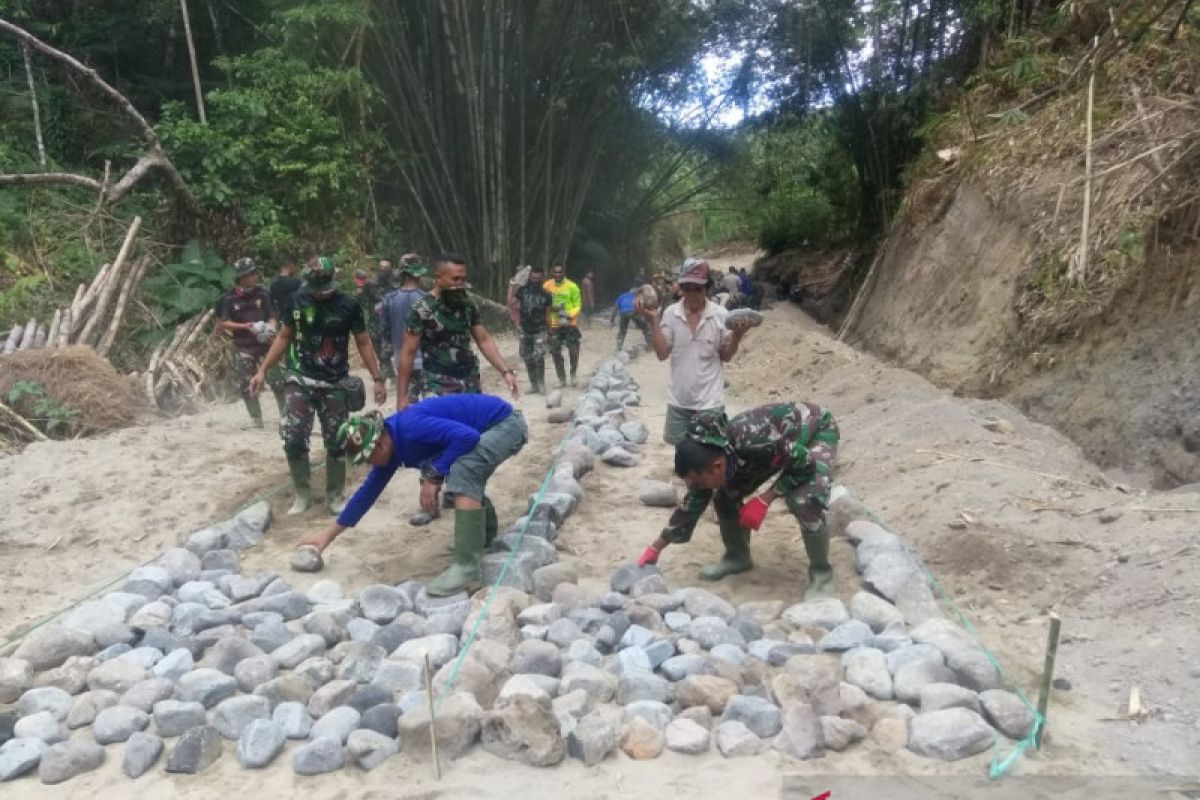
x,y
999,766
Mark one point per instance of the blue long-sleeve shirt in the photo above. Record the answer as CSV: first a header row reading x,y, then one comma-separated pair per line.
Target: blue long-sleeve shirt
x,y
431,435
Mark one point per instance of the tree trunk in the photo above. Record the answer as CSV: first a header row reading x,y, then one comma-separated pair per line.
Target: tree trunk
x,y
33,100
191,46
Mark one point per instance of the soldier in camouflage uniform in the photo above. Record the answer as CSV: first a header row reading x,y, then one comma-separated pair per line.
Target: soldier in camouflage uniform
x,y
725,461
315,336
247,315
533,303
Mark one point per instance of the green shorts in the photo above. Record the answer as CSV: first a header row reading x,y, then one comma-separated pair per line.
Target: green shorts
x,y
678,420
470,472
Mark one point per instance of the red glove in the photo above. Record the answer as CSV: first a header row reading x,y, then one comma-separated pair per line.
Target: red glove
x,y
649,556
752,513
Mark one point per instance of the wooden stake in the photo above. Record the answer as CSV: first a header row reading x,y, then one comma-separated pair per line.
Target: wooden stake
x,y
28,335
1079,268
191,46
55,324
33,99
24,423
135,277
110,284
1048,675
14,339
437,767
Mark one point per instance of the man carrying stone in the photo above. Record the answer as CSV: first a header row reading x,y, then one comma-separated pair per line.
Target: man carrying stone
x,y
726,461
393,318
246,314
533,304
625,308
693,335
315,337
456,441
564,322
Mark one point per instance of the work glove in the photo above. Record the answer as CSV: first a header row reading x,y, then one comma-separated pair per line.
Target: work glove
x,y
753,513
649,556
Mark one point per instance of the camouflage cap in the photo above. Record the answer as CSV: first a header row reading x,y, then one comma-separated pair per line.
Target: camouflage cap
x,y
710,428
318,273
243,267
360,434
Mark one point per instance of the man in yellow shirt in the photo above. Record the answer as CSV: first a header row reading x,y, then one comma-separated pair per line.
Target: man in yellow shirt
x,y
564,322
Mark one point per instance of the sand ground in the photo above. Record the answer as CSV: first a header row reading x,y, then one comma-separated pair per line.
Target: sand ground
x,y
1007,513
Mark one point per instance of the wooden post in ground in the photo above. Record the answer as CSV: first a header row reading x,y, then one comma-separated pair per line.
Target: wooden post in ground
x,y
1048,675
437,767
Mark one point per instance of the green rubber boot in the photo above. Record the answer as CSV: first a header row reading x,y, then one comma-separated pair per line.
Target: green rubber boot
x,y
255,409
820,573
464,573
335,485
491,522
302,482
737,552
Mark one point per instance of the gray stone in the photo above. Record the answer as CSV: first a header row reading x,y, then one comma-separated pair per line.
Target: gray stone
x,y
149,581
893,637
260,742
390,637
537,657
381,603
632,660
368,749
441,647
592,739
19,756
71,676
43,725
174,717
874,611
203,541
847,636
655,712
156,614
637,636
703,603
635,686
95,615
676,668
145,694
459,719
220,559
902,656
270,636
398,676
174,665
747,626
583,651
1007,712
625,576
66,760
650,584
319,756
118,723
231,717
293,719
866,668
911,678
195,751
802,736
254,672
553,507
522,686
950,734
50,646
289,605
540,614
549,576
840,733
523,729
360,662
634,432
760,716
659,651
825,613
939,696
734,740
730,654
677,621
144,657
46,698
590,620
381,719
248,527
330,696
562,632
142,752
88,705
362,630
711,631
337,723
229,651
687,736
111,652
305,646
206,686
599,685
619,457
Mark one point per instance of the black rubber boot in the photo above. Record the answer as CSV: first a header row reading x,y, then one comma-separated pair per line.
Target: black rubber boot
x,y
820,573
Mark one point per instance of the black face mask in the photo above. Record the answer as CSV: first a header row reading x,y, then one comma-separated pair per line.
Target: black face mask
x,y
455,298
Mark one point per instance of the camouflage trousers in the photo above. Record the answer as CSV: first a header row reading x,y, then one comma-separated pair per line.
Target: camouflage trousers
x,y
245,365
434,384
533,348
305,399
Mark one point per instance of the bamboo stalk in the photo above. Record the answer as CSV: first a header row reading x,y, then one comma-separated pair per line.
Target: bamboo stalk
x,y
1079,267
79,309
191,46
55,324
1048,675
39,337
22,422
33,100
135,277
110,285
14,339
28,335
428,676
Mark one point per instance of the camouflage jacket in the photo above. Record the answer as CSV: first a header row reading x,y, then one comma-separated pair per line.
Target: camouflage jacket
x,y
533,303
445,336
759,443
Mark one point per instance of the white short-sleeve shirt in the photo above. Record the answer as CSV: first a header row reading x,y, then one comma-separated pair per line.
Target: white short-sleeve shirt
x,y
697,377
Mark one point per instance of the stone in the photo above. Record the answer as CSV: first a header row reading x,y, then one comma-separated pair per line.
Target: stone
x,y
711,631
391,636
118,723
734,740
802,736
541,658
398,676
890,734
553,507
260,742
149,581
729,653
338,722
302,647
360,662
368,749
650,584
206,686
363,630
142,752
249,526
231,717
911,678
319,756
635,432
270,636
220,560
631,661
840,733
44,648
174,665
441,648
95,615
641,741
866,668
687,736
659,651
203,541
70,676
677,621
289,605
655,712
847,636
703,603
46,698
1007,712
524,729
968,660
874,611
293,719
330,696
43,725
893,637
459,720
382,719
182,565
381,603
760,716
19,756
705,690
599,685
195,751
618,456
902,656
939,696
583,651
66,760
145,657
825,613
174,717
950,734
676,668
592,739
254,672
88,705
546,578
540,614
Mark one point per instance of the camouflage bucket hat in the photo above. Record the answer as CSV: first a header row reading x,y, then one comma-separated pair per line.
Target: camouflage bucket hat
x,y
243,267
410,264
710,428
318,273
361,432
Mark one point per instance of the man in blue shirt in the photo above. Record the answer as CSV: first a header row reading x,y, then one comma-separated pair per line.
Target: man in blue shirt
x,y
455,440
625,308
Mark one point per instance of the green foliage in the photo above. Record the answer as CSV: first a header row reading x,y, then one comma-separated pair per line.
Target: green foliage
x,y
55,418
194,283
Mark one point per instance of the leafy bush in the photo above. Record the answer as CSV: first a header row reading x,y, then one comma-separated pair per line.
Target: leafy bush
x,y
191,285
55,418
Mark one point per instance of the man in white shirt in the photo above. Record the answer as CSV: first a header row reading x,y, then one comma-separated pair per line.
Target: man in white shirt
x,y
693,335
